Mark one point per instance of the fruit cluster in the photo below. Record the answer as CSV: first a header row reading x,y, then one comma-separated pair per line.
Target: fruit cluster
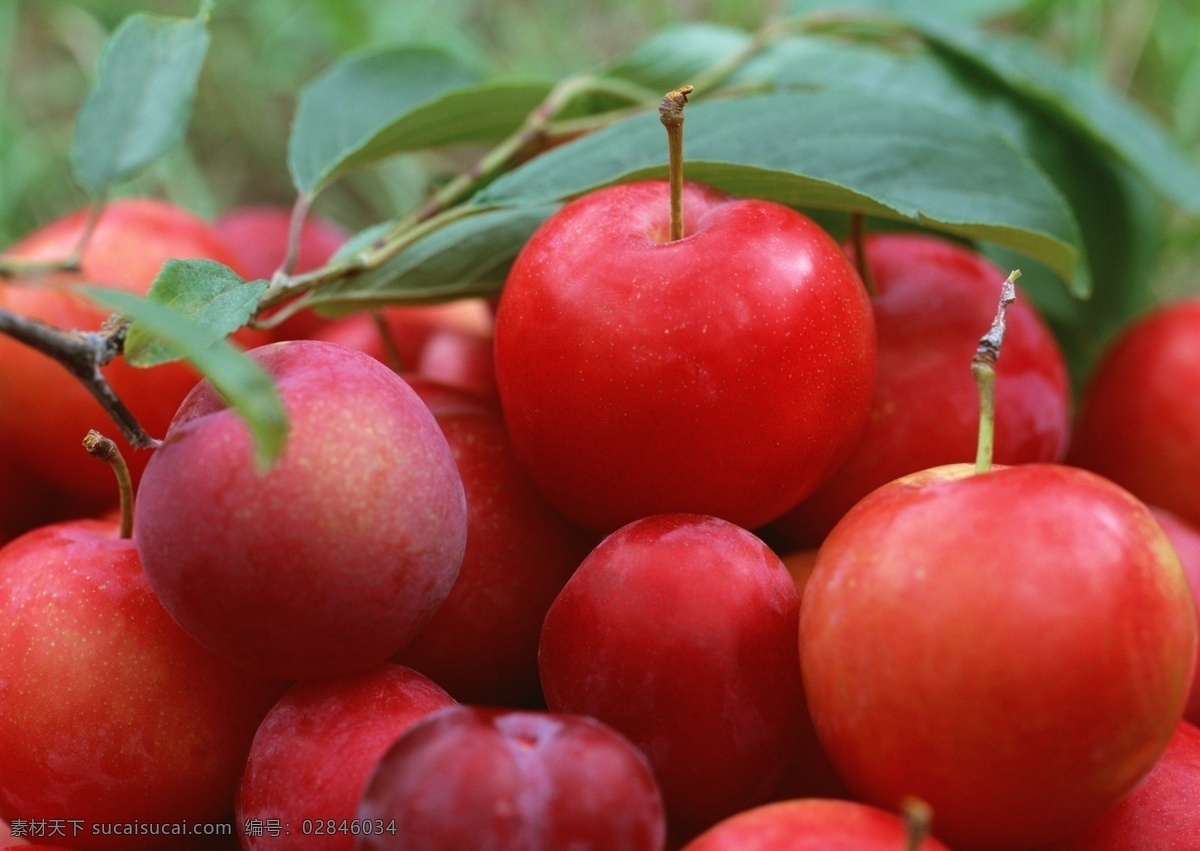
x,y
569,596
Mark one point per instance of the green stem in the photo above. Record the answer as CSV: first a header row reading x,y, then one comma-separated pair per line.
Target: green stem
x,y
985,380
71,263
95,211
295,229
569,127
390,349
713,77
375,255
439,208
858,239
983,368
30,268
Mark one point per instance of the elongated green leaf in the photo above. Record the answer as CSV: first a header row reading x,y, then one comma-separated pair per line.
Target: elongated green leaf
x,y
909,72
1082,103
672,57
965,10
1123,222
479,113
1119,224
140,104
243,384
213,296
837,151
355,112
466,258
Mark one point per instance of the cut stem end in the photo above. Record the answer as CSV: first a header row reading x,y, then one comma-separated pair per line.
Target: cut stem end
x,y
983,368
99,446
670,112
917,816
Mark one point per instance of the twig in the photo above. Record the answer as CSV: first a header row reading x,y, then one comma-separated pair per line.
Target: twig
x,y
17,268
295,229
82,353
28,268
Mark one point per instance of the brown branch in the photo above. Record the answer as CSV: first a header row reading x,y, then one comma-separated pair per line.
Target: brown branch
x,y
82,353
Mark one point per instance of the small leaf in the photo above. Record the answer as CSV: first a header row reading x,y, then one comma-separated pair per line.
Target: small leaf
x,y
212,295
242,382
836,151
672,57
355,113
1079,101
141,102
965,10
469,257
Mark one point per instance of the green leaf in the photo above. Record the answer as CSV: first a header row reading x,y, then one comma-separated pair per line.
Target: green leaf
x,y
1119,223
1123,222
835,151
1077,100
213,296
481,113
911,72
966,10
370,105
468,257
672,57
242,382
141,102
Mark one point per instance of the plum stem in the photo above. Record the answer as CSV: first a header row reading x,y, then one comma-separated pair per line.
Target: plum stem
x,y
858,239
390,349
295,230
99,446
917,817
670,112
73,262
983,368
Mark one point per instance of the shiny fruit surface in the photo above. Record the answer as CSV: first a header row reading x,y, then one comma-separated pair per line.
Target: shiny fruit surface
x,y
933,300
724,373
1139,423
1014,648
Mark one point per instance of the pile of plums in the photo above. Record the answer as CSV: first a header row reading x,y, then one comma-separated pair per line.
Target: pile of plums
x,y
676,546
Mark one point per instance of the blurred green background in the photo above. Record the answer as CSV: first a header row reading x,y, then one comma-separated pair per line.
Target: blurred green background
x,y
263,51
